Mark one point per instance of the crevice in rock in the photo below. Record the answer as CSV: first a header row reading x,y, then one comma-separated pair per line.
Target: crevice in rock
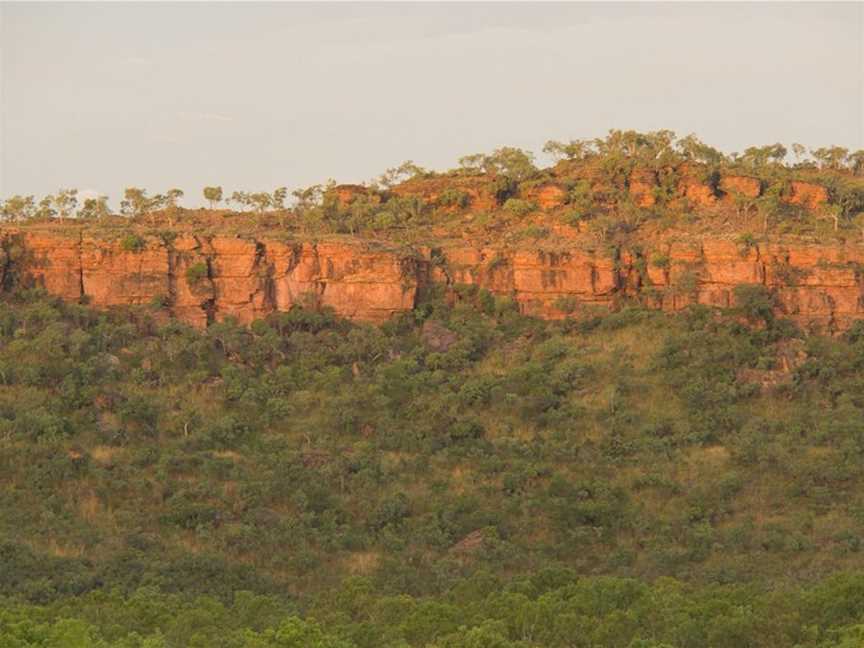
x,y
82,297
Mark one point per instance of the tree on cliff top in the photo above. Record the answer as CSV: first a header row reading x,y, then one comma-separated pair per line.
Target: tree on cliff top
x,y
18,208
135,202
64,202
757,157
572,150
832,158
94,208
213,195
396,175
507,160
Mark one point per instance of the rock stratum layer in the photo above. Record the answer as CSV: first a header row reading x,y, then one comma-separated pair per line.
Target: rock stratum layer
x,y
200,279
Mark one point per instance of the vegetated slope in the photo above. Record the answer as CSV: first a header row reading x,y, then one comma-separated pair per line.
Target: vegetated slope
x,y
455,449
613,403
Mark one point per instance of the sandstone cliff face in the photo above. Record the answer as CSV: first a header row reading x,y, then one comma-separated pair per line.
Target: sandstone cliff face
x,y
200,280
204,279
546,196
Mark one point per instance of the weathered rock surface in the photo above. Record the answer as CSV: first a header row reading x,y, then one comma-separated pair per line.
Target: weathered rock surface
x,y
202,279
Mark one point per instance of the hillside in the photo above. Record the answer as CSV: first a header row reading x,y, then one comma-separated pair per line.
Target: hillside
x,y
495,409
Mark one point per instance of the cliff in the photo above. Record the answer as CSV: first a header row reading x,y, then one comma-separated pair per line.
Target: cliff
x,y
200,279
203,279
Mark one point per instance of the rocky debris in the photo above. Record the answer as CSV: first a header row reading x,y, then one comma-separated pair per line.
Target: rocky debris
x,y
471,543
791,354
437,337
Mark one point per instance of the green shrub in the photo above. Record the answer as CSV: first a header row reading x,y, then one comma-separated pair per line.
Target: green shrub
x,y
519,207
451,197
133,243
196,273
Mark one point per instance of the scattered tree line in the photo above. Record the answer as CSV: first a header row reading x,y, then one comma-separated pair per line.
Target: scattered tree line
x,y
508,169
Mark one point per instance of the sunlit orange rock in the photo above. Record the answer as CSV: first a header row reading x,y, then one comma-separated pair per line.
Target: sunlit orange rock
x,y
807,194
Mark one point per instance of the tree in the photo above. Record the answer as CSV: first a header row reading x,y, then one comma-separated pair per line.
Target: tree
x,y
172,196
261,201
799,150
94,208
509,161
831,157
277,200
46,208
757,157
856,162
834,212
572,150
135,202
308,197
694,149
769,204
64,202
213,195
755,302
405,171
18,208
240,198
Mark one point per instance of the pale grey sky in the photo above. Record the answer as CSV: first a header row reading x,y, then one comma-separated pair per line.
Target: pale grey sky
x,y
254,96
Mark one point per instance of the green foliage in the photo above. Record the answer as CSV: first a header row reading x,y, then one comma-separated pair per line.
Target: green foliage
x,y
755,301
133,243
196,273
213,195
519,207
454,198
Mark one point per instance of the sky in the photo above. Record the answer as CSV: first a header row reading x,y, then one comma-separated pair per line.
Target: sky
x,y
252,96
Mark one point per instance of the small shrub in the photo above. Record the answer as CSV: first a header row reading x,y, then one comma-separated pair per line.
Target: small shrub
x,y
535,232
519,207
755,302
661,261
196,273
133,243
566,304
454,198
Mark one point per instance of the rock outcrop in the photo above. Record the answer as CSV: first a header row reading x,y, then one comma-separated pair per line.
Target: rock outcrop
x,y
205,279
202,279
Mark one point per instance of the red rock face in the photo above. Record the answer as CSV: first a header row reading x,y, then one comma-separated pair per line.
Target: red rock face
x,y
810,195
204,279
546,196
201,280
347,193
743,185
641,187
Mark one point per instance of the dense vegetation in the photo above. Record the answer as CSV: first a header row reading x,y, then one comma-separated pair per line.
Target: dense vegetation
x,y
462,477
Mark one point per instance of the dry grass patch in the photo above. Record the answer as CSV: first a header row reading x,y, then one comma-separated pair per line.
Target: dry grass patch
x,y
362,562
106,454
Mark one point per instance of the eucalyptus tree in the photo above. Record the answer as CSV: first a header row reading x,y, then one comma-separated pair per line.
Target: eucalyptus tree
x,y
94,208
64,202
16,208
213,195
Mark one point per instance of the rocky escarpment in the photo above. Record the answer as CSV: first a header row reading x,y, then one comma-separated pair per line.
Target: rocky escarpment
x,y
202,279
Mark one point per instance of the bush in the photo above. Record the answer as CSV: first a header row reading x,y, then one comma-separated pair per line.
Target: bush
x,y
133,243
755,301
451,197
196,273
519,207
